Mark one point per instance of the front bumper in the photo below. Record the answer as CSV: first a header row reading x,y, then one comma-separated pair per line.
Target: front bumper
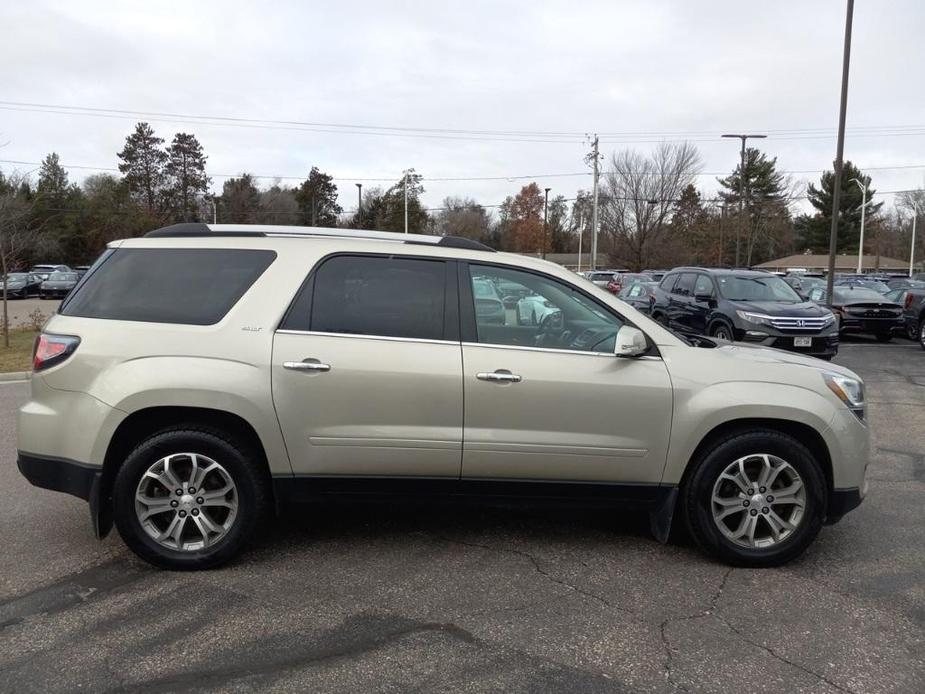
x,y
821,345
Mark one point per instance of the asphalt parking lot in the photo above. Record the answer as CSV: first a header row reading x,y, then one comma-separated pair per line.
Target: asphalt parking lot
x,y
396,599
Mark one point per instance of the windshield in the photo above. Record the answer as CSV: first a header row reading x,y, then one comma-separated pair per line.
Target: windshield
x,y
746,288
483,289
844,295
63,277
16,277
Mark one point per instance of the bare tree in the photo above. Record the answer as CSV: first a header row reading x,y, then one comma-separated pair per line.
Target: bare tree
x,y
16,235
638,197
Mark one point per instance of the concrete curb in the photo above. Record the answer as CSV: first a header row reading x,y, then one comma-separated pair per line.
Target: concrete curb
x,y
15,376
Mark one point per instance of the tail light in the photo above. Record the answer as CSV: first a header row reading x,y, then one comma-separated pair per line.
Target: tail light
x,y
908,301
52,349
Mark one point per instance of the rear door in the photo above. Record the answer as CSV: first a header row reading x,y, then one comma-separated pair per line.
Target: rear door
x,y
367,370
701,304
679,301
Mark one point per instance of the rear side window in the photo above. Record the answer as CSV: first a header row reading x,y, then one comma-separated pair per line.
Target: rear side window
x,y
194,286
685,285
668,282
372,295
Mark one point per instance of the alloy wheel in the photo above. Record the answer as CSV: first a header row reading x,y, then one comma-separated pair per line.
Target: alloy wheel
x,y
758,501
186,502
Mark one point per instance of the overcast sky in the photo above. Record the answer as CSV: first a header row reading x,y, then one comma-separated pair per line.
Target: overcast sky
x,y
667,69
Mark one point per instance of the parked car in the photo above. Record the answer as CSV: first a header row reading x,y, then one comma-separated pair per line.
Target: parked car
x,y
533,309
81,270
904,283
914,314
639,295
919,276
863,310
58,285
656,275
488,305
355,363
44,271
875,285
744,306
802,283
601,278
511,293
21,285
621,279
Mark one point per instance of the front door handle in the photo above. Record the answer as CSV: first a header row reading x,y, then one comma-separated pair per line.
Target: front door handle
x,y
306,365
499,376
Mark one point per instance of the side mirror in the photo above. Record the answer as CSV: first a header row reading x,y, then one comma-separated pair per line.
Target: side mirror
x,y
631,342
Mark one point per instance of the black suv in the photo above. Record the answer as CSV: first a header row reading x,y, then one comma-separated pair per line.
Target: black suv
x,y
744,306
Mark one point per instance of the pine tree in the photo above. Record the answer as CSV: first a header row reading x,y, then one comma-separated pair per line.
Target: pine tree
x,y
391,213
317,198
186,176
240,201
143,166
819,227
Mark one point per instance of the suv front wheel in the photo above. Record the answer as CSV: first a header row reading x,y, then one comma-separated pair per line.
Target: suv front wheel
x,y
756,499
189,498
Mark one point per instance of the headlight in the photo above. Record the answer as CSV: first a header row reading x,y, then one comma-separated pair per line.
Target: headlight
x,y
755,318
849,390
828,319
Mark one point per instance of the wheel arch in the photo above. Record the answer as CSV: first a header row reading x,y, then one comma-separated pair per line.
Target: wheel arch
x,y
803,433
144,422
717,319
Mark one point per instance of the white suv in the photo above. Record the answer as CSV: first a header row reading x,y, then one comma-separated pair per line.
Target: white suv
x,y
201,378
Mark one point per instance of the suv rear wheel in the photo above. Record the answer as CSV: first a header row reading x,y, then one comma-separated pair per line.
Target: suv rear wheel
x,y
756,499
189,498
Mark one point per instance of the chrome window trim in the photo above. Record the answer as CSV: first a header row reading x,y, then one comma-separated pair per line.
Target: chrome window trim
x,y
386,338
552,350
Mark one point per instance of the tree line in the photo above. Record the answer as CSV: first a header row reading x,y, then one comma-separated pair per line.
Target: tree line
x,y
652,213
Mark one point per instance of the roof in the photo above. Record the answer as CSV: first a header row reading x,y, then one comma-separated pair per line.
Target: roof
x,y
845,261
198,229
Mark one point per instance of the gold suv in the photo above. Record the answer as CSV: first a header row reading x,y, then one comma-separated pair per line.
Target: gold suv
x,y
203,377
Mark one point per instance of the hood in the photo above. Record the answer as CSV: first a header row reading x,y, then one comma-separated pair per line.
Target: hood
x,y
805,309
769,355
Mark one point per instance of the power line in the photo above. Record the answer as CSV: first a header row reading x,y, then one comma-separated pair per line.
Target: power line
x,y
529,136
516,177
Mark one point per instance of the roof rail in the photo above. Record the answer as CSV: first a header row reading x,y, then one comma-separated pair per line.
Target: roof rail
x,y
199,229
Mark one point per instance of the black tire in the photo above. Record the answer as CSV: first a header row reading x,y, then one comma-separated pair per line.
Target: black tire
x,y
245,469
921,335
884,337
722,332
697,491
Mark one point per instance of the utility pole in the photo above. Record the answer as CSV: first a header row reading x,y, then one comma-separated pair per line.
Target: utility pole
x,y
359,198
722,222
839,152
595,161
313,209
863,209
915,216
214,210
545,221
740,228
581,225
406,201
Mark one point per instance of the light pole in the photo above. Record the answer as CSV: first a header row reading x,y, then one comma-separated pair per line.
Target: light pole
x,y
915,216
359,198
742,189
545,220
581,225
214,210
406,201
863,209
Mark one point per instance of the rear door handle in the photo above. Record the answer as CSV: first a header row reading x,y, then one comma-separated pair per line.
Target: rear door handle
x,y
499,376
306,365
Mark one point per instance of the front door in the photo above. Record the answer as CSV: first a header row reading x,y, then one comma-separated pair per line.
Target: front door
x,y
550,401
367,370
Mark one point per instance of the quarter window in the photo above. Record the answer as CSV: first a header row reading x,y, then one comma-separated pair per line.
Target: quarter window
x,y
371,295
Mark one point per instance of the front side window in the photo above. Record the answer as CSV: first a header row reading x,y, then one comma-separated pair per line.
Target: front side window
x,y
685,285
704,286
373,295
529,310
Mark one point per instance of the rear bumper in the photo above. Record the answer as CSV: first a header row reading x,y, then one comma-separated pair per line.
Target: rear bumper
x,y
872,325
68,476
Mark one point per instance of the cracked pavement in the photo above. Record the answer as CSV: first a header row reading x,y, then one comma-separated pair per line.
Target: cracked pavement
x,y
395,598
